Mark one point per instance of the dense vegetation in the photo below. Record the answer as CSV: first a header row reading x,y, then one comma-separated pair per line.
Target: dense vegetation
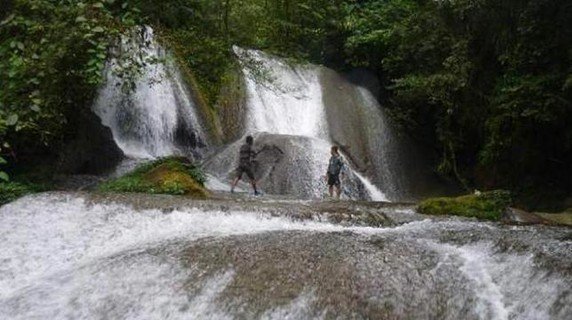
x,y
486,83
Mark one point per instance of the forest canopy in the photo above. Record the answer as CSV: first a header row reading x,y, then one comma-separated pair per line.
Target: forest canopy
x,y
486,84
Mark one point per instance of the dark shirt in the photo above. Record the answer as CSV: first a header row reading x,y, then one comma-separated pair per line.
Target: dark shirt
x,y
336,165
246,155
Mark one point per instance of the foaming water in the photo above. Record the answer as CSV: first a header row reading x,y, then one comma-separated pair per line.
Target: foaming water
x,y
157,118
64,257
374,193
382,146
282,98
55,233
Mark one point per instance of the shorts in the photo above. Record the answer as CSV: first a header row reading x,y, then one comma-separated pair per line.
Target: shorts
x,y
245,169
334,180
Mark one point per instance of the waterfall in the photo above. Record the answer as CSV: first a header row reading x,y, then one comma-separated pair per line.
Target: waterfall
x,y
286,99
283,98
157,117
382,146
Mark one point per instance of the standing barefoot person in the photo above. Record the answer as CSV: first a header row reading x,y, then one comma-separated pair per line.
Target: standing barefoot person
x,y
333,175
245,165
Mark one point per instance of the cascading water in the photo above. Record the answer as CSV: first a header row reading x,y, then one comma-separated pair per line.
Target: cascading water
x,y
69,257
282,98
385,157
157,117
287,99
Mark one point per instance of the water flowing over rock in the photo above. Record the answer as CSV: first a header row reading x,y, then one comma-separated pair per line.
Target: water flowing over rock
x,y
286,99
291,165
81,257
401,169
158,117
312,106
321,105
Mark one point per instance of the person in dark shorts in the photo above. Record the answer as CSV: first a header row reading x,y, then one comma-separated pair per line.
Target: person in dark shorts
x,y
334,169
245,164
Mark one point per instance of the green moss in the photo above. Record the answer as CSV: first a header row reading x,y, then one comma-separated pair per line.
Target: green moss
x,y
170,175
10,191
486,206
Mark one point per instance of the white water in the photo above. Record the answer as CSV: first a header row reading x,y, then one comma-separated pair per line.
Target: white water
x,y
382,145
282,98
144,122
55,234
287,99
63,258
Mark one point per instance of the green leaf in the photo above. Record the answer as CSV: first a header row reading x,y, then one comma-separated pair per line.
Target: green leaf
x,y
7,20
12,119
98,29
4,176
98,5
3,161
80,19
36,108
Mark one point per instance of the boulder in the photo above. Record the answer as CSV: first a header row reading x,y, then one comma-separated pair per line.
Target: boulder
x,y
285,165
518,216
91,150
360,125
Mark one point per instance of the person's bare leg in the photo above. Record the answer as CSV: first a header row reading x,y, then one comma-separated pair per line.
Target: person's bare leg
x,y
338,191
234,183
253,183
331,190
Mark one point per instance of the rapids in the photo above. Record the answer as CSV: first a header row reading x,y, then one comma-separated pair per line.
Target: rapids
x,y
68,255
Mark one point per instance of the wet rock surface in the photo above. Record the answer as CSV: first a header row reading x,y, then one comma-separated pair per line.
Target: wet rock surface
x,y
285,165
91,151
518,216
96,255
342,212
358,123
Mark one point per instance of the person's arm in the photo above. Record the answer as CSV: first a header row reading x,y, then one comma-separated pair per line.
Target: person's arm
x,y
260,151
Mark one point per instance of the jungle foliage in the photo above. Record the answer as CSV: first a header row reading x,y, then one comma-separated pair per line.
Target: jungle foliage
x,y
52,55
488,82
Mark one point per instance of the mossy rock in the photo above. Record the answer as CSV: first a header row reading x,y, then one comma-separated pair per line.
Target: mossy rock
x,y
172,175
563,218
487,205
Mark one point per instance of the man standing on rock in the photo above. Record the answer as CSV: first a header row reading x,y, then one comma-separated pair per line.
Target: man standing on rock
x,y
245,164
334,169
